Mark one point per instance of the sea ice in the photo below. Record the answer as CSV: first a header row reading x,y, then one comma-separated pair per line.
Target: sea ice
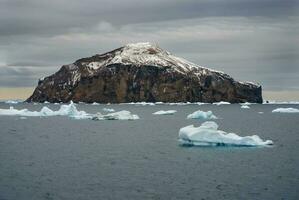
x,y
202,115
108,110
221,103
165,112
286,110
69,110
245,106
12,101
121,115
208,135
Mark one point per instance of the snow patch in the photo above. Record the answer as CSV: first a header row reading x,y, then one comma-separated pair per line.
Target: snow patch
x,y
285,110
208,135
202,115
165,112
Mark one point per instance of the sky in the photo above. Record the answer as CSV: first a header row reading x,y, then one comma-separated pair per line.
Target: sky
x,y
252,40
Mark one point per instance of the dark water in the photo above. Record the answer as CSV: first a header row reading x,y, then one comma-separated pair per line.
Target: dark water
x,y
61,158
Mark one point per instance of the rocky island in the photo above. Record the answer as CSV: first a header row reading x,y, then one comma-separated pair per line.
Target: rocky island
x,y
141,72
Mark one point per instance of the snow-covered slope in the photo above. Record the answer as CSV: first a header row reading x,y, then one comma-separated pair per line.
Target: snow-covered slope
x,y
146,53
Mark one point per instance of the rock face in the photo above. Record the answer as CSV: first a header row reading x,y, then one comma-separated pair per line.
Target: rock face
x,y
141,72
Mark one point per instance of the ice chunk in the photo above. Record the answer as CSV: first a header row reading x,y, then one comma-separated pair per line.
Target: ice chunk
x,y
246,104
121,115
286,110
95,103
202,115
245,107
261,112
108,110
141,103
221,103
165,112
12,101
209,135
69,110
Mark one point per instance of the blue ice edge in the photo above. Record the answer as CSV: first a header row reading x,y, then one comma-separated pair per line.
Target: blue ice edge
x,y
200,144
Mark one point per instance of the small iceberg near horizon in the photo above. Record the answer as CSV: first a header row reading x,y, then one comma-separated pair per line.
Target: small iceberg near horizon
x,y
165,112
245,107
208,135
69,110
202,115
108,110
285,110
121,115
221,103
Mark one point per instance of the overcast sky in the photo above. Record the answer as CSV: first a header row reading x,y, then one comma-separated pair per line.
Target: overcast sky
x,y
252,40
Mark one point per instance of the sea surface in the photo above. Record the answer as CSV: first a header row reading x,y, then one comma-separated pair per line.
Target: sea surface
x,y
62,158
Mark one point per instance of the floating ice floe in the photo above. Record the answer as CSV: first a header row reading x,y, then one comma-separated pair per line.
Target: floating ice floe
x,y
221,103
165,112
209,135
69,110
12,101
108,110
285,110
245,107
121,115
281,102
95,103
140,103
202,115
261,112
246,104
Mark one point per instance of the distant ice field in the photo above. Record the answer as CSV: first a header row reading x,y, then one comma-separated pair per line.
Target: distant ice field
x,y
59,157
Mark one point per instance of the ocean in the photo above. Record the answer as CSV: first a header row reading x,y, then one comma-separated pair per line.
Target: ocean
x,y
61,158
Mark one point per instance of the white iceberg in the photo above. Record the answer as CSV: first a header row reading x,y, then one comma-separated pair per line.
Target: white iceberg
x,y
246,104
285,110
281,102
12,101
245,107
140,103
165,112
202,115
209,135
69,110
95,103
221,103
108,110
121,115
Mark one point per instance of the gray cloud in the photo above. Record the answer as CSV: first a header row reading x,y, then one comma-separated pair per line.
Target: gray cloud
x,y
251,40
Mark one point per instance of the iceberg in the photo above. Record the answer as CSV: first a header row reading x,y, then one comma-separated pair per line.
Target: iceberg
x,y
285,110
69,110
108,110
121,115
202,115
245,107
208,135
12,101
221,103
165,112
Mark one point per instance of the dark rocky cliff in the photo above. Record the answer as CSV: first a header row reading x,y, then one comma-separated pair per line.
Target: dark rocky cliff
x,y
141,72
